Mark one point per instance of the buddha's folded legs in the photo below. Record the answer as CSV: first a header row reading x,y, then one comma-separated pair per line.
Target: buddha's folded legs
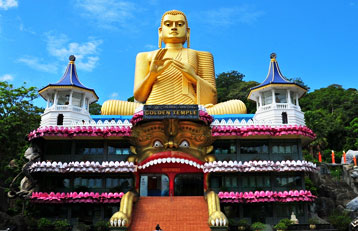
x,y
229,107
118,107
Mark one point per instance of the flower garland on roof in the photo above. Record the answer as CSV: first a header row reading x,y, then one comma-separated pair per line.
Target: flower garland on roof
x,y
95,167
266,196
74,197
260,166
80,131
262,130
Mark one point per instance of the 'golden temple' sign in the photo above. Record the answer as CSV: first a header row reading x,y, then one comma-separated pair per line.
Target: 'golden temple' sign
x,y
174,111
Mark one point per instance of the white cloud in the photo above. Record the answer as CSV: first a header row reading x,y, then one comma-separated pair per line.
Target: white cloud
x,y
114,95
109,14
6,4
86,53
37,64
150,47
228,16
59,47
7,77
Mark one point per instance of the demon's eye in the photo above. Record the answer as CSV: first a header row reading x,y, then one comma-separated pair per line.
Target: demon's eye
x,y
157,144
184,144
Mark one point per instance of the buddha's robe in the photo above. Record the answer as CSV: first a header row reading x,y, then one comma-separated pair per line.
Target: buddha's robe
x,y
172,87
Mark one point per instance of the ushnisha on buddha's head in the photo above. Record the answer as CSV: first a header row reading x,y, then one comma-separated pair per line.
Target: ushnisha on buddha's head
x,y
174,28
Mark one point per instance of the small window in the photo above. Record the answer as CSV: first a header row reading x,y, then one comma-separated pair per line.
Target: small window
x,y
284,118
118,148
87,183
249,147
63,98
293,98
280,96
89,148
77,99
225,147
60,119
58,147
267,98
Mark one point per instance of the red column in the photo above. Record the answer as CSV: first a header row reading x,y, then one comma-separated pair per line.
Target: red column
x,y
333,160
319,157
206,176
137,181
171,183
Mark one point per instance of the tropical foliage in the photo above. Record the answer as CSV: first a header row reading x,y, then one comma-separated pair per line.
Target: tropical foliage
x,y
18,116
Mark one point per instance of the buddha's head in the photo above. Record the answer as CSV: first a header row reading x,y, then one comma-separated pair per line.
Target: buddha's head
x,y
174,28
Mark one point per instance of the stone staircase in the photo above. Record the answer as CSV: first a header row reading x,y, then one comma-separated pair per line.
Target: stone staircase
x,y
178,213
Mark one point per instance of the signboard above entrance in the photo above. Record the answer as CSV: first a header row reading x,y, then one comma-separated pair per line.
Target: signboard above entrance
x,y
174,111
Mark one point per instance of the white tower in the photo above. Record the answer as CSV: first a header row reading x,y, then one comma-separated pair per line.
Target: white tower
x,y
68,100
277,98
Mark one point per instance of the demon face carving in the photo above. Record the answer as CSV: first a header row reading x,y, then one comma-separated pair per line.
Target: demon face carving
x,y
180,137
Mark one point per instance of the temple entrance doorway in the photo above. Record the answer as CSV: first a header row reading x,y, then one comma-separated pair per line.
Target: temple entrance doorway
x,y
154,185
189,184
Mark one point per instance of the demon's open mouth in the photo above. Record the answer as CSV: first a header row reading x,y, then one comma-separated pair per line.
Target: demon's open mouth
x,y
171,157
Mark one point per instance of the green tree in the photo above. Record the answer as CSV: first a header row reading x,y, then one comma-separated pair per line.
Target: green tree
x,y
299,81
230,85
352,135
329,112
95,109
18,116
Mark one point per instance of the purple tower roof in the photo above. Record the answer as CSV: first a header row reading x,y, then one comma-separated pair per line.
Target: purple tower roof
x,y
70,78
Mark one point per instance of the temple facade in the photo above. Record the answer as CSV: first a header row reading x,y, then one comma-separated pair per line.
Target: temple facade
x,y
91,166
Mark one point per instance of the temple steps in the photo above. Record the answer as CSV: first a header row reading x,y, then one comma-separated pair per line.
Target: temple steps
x,y
178,213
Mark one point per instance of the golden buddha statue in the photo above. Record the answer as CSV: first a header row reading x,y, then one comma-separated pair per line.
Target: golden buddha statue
x,y
174,74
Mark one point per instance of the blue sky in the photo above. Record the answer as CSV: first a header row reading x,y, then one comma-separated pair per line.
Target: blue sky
x,y
314,40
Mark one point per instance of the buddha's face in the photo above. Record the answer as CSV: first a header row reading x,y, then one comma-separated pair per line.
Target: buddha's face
x,y
173,29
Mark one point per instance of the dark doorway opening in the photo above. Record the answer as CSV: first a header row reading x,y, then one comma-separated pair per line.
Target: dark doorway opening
x,y
189,185
60,119
284,118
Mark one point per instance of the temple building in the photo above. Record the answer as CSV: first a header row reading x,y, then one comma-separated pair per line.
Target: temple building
x,y
256,168
183,161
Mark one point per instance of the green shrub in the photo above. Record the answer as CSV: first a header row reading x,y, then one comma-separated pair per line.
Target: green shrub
x,y
102,226
243,222
44,224
313,221
280,226
83,227
61,225
310,186
286,221
258,226
340,220
336,173
31,223
308,157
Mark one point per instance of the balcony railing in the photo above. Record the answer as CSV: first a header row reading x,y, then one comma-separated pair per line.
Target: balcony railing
x,y
66,108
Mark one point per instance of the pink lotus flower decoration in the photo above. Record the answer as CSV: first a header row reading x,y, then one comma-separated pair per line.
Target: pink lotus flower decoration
x,y
266,196
80,131
262,130
260,166
83,166
74,197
